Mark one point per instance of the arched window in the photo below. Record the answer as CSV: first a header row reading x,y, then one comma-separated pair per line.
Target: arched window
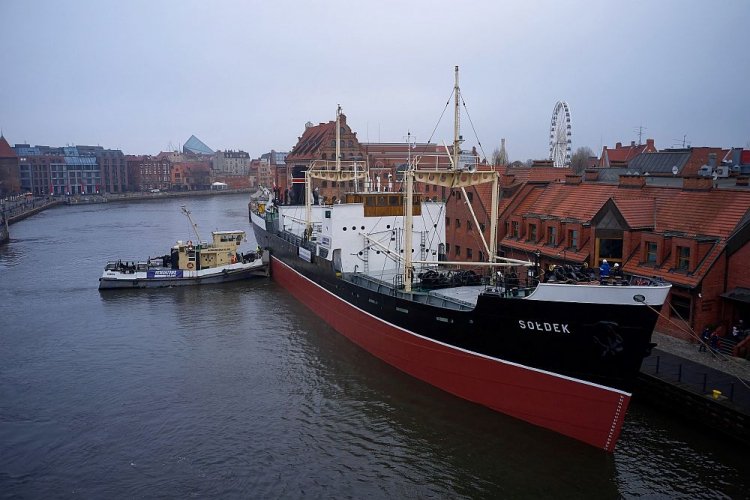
x,y
342,143
342,130
351,144
324,156
333,144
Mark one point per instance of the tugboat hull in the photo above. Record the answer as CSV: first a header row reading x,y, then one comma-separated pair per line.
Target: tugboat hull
x,y
151,279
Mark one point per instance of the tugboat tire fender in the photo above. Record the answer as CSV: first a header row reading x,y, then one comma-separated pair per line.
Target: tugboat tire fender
x,y
190,265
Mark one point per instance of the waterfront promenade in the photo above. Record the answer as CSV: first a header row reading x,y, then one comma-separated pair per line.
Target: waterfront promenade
x,y
712,390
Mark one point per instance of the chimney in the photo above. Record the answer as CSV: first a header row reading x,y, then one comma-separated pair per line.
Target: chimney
x,y
632,181
592,174
572,180
618,145
697,183
508,179
650,143
712,161
736,156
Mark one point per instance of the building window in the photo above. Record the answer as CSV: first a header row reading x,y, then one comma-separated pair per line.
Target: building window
x,y
482,227
552,236
458,250
651,252
683,258
481,256
532,232
458,223
447,249
447,222
680,306
515,229
470,195
573,239
469,225
469,253
351,144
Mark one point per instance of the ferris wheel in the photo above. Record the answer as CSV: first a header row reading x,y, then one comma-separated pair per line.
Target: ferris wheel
x,y
560,136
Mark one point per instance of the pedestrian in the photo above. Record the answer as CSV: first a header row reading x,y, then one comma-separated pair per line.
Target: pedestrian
x,y
604,271
705,335
617,273
715,344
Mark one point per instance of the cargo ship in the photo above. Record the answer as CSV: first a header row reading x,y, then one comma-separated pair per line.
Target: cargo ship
x,y
560,354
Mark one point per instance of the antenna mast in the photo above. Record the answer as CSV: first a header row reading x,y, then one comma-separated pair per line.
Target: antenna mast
x,y
193,224
456,123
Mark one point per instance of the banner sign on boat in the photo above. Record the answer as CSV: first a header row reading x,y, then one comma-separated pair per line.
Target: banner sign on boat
x,y
325,241
163,273
305,254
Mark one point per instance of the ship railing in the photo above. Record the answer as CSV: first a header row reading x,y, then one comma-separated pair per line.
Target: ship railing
x,y
425,297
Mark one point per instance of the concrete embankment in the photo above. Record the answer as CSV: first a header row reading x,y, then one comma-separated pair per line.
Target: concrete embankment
x,y
173,194
708,389
20,213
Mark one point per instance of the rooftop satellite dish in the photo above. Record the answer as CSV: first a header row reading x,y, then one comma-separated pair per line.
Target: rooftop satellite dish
x,y
674,170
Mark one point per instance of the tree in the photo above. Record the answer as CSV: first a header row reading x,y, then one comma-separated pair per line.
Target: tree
x,y
581,159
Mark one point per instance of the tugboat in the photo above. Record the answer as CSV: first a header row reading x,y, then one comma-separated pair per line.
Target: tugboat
x,y
560,354
188,263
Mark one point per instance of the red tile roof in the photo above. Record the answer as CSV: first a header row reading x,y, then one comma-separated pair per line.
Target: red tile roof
x,y
715,213
621,155
638,212
5,150
311,141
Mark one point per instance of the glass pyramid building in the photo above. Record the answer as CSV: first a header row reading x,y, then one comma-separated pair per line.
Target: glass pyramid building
x,y
196,146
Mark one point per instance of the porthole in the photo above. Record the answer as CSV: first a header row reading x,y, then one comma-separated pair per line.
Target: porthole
x,y
388,226
344,228
354,228
363,228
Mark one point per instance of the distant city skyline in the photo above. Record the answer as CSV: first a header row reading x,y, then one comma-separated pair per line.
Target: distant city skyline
x,y
143,75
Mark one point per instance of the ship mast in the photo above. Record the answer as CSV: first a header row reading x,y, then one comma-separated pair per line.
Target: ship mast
x,y
193,224
458,176
457,140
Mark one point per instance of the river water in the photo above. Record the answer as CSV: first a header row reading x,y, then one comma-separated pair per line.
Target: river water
x,y
238,391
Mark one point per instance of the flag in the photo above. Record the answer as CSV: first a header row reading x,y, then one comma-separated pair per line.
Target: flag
x,y
51,189
83,188
97,188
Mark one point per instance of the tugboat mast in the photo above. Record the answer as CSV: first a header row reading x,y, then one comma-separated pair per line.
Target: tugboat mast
x,y
193,224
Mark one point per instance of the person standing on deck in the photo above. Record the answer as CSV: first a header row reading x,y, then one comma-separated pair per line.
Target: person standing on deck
x,y
604,271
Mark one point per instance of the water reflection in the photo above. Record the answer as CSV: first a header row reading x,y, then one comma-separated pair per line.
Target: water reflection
x,y
238,390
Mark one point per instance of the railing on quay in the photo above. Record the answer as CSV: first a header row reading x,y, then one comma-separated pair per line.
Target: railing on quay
x,y
698,378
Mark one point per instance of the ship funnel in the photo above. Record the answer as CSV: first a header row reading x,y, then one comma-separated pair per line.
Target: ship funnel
x,y
471,169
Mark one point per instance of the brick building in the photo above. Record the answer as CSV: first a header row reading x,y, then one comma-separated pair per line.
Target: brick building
x,y
318,144
462,239
10,178
621,155
149,172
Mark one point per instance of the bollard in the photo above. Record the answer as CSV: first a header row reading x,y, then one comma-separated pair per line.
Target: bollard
x,y
657,364
679,374
705,376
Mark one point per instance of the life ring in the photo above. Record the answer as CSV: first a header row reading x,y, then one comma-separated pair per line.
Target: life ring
x,y
190,265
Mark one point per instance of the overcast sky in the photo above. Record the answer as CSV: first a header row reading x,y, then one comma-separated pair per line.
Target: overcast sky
x,y
139,75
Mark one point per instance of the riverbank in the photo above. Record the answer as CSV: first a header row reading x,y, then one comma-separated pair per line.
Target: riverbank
x,y
711,390
173,194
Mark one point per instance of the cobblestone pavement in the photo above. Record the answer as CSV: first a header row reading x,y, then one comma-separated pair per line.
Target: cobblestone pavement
x,y
733,366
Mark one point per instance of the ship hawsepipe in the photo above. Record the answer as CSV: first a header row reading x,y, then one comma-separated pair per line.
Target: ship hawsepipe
x,y
566,366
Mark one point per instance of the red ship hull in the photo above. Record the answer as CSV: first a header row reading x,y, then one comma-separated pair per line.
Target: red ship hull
x,y
582,410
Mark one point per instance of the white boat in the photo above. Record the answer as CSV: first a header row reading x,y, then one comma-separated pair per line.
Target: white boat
x,y
220,261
